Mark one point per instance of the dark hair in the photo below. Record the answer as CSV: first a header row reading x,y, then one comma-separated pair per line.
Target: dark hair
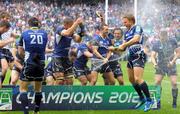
x,y
118,29
5,24
34,22
130,17
67,20
4,14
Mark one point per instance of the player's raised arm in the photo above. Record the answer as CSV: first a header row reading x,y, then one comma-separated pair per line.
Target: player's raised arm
x,y
70,26
78,36
99,14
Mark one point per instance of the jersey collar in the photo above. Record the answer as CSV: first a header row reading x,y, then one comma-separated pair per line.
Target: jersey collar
x,y
131,28
34,28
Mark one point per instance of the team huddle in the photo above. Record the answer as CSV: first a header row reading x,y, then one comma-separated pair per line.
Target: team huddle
x,y
72,51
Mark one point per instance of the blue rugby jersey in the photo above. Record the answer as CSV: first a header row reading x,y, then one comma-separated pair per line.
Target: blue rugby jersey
x,y
34,42
165,49
103,44
61,44
81,59
137,47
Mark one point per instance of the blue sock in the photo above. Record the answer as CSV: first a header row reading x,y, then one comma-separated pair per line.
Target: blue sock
x,y
38,97
138,90
24,102
144,88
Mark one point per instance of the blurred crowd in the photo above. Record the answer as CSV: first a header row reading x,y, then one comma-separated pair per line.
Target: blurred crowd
x,y
157,14
160,14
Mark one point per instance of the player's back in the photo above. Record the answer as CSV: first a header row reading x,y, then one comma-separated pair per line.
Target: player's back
x,y
34,43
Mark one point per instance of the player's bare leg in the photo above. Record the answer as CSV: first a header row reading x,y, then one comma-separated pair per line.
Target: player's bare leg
x,y
89,77
14,77
83,80
68,81
4,68
59,76
50,80
94,77
105,80
120,80
110,77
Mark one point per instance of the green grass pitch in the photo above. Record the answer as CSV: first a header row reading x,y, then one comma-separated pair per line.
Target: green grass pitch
x,y
166,98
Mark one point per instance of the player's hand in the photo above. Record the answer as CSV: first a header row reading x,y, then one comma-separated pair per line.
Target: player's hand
x,y
98,13
111,48
105,60
122,47
79,20
170,64
155,66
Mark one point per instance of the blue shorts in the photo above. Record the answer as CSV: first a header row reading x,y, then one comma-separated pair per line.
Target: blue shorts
x,y
137,60
102,69
62,64
32,72
81,71
116,68
6,54
48,71
164,70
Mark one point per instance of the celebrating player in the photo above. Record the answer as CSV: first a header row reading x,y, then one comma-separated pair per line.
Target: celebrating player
x,y
114,64
136,59
101,44
164,54
32,47
7,59
4,27
62,67
18,65
80,68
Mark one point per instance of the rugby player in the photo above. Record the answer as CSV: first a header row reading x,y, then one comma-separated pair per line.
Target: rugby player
x,y
62,66
133,41
32,47
101,44
164,54
4,27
